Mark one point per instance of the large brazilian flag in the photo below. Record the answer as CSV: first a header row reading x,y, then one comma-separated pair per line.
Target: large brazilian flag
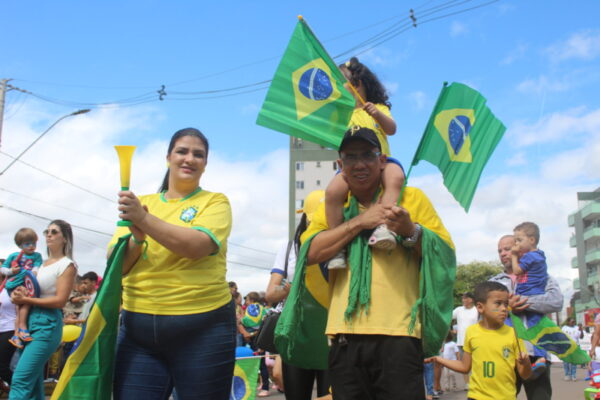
x,y
88,373
245,378
460,137
548,336
307,98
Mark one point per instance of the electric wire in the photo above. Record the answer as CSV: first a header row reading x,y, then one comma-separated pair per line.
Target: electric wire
x,y
55,205
60,179
387,34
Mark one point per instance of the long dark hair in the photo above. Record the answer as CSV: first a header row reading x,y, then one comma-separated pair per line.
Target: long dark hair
x,y
67,232
374,90
176,136
302,225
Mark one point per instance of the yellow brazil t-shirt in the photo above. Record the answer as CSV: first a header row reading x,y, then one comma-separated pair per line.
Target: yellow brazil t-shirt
x,y
394,278
493,354
168,284
361,118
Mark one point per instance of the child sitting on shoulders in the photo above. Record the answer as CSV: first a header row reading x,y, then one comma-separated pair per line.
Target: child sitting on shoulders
x,y
22,266
372,111
491,351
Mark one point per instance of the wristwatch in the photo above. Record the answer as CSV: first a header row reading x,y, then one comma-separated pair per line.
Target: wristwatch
x,y
411,241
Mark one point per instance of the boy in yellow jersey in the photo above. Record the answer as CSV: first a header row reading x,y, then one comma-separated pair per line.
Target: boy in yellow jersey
x,y
492,350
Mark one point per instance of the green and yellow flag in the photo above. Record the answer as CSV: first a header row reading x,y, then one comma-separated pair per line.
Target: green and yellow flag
x,y
245,378
548,336
460,137
307,98
88,373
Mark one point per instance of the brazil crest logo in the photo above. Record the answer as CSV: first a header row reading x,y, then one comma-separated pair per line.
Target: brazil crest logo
x,y
188,214
314,87
455,126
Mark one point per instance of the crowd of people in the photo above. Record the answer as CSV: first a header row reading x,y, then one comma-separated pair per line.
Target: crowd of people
x,y
388,259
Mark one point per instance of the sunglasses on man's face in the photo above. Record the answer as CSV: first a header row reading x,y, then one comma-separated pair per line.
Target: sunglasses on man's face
x,y
51,232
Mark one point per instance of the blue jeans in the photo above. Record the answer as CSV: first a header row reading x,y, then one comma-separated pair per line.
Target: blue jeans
x,y
570,369
428,375
45,325
194,353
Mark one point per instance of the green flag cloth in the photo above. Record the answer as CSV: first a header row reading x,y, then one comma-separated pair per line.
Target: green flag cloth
x,y
460,137
436,291
300,331
245,378
88,373
306,98
548,336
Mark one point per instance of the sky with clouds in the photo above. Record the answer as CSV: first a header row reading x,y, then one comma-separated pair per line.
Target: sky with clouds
x,y
537,63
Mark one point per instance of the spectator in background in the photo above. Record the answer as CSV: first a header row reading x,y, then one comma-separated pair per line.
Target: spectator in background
x,y
574,333
55,279
253,316
89,282
465,316
7,350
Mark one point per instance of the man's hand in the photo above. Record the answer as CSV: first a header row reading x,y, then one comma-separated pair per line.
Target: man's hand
x,y
373,216
517,303
398,220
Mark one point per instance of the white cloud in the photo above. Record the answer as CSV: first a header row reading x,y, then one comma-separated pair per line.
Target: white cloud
x,y
458,28
80,151
543,83
570,125
518,159
584,45
419,99
391,87
517,53
249,109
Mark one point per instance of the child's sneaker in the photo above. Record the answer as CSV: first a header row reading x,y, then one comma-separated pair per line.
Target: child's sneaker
x,y
338,262
382,238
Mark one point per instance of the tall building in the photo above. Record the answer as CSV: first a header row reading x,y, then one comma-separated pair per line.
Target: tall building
x,y
586,240
311,168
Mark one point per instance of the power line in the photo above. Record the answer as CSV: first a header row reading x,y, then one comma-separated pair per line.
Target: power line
x,y
60,179
54,205
387,34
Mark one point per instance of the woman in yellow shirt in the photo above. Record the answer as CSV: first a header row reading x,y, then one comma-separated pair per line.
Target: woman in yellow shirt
x,y
178,320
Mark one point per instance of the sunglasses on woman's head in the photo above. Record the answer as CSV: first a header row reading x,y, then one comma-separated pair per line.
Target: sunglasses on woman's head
x,y
51,232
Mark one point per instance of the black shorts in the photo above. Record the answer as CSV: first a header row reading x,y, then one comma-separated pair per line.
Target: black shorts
x,y
369,367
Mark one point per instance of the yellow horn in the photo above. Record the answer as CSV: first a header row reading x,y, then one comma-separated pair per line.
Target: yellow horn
x,y
125,154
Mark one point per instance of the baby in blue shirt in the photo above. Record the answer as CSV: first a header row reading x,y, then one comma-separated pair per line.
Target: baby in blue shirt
x,y
529,265
21,268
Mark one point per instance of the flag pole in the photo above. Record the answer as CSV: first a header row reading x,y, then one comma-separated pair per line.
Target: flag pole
x,y
515,331
301,19
429,122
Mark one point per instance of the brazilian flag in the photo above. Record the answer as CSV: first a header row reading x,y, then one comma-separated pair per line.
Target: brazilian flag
x,y
548,336
245,377
88,373
459,139
307,98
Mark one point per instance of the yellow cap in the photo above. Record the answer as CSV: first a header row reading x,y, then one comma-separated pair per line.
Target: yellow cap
x,y
311,203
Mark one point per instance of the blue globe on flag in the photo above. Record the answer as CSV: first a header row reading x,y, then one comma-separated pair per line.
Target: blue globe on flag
x,y
458,130
315,84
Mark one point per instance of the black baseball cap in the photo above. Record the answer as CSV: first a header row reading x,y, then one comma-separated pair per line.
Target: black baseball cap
x,y
360,133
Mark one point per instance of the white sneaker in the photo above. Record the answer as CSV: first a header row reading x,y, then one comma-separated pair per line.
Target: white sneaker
x,y
567,378
338,262
382,238
574,379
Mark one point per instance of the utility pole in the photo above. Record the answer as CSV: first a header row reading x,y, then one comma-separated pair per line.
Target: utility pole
x,y
3,83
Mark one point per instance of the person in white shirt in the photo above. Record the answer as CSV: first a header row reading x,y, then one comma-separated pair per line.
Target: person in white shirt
x,y
449,352
465,316
7,327
573,331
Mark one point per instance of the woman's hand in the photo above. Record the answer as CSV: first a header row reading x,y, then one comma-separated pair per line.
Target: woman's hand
x,y
19,295
132,210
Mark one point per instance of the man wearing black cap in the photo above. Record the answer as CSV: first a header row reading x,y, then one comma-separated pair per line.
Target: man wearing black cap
x,y
376,351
